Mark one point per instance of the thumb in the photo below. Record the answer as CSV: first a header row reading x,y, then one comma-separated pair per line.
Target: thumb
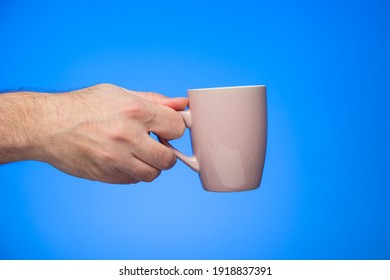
x,y
176,103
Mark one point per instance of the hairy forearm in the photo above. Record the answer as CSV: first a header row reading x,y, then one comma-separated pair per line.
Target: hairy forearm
x,y
20,125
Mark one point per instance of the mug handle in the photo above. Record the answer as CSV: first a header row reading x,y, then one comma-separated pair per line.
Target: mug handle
x,y
190,161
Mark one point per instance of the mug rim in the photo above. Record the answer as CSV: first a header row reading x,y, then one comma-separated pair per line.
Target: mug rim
x,y
231,87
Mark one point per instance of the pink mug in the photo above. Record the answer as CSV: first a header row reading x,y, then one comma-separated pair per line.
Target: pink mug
x,y
228,128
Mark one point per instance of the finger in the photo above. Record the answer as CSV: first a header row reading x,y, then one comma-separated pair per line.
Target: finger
x,y
118,177
166,122
155,154
122,178
140,170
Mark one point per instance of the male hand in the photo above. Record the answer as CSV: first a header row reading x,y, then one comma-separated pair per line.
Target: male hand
x,y
99,133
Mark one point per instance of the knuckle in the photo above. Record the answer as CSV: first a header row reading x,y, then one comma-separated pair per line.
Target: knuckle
x,y
167,159
181,127
105,86
138,111
127,181
135,111
174,125
178,127
121,179
120,133
152,96
150,174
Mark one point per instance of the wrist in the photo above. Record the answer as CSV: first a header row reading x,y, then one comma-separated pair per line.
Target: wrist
x,y
21,126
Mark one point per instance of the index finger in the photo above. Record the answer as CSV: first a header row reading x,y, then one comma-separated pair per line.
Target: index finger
x,y
166,122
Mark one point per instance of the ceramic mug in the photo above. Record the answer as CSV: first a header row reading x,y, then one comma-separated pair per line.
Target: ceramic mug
x,y
228,130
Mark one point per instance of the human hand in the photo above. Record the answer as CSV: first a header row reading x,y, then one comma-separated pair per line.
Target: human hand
x,y
102,133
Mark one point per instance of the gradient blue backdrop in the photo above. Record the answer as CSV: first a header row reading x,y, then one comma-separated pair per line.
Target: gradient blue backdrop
x,y
325,192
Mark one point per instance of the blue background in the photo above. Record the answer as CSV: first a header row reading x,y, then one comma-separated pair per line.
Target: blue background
x,y
325,192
